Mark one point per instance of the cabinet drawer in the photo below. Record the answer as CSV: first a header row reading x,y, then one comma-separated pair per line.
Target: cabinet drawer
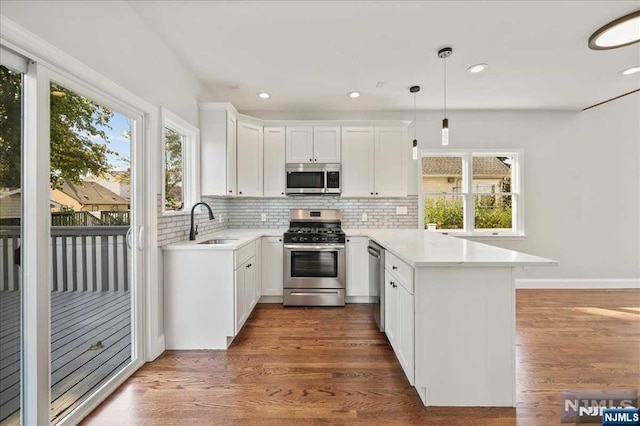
x,y
402,271
243,254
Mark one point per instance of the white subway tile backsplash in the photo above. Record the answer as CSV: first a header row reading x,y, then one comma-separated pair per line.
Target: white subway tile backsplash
x,y
246,213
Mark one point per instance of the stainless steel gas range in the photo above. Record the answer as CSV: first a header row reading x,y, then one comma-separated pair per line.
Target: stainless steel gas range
x,y
314,259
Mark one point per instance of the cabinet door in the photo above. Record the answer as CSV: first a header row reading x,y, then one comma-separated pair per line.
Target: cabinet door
x,y
215,150
231,153
390,310
404,334
249,160
272,266
391,151
357,162
357,266
251,294
299,144
274,159
239,298
326,144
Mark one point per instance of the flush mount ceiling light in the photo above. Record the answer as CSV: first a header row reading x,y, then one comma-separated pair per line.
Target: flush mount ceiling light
x,y
618,33
353,95
475,69
631,70
444,53
414,152
264,95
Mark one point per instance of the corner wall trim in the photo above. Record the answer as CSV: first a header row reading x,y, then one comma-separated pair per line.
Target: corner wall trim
x,y
578,283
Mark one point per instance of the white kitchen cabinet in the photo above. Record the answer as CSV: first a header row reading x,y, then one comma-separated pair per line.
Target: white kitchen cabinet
x,y
299,144
399,319
374,162
326,144
357,161
249,159
357,266
391,152
272,266
274,162
217,149
313,144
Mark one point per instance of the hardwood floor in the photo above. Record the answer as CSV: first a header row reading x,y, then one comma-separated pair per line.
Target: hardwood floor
x,y
331,365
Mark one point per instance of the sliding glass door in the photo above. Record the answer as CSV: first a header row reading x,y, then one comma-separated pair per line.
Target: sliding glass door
x,y
71,251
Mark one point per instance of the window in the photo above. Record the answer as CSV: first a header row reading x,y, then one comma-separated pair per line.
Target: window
x,y
476,193
180,177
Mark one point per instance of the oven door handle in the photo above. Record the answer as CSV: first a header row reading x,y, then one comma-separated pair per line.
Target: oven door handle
x,y
324,247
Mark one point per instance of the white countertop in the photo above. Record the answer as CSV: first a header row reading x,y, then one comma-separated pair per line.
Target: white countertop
x,y
421,248
243,236
417,247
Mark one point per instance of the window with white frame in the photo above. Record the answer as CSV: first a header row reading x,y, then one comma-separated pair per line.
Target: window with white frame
x,y
180,171
472,192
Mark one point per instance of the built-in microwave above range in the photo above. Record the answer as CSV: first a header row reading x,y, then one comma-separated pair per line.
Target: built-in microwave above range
x,y
316,178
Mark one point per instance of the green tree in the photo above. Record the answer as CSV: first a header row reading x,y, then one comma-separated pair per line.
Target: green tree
x,y
75,122
173,170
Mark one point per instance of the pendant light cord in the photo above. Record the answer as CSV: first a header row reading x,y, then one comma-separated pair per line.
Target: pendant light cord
x,y
445,87
414,115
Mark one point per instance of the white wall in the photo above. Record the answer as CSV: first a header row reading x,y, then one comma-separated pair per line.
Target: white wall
x,y
582,178
109,37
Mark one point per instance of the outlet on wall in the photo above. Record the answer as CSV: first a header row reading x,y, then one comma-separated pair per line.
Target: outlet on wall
x,y
364,216
220,218
401,210
263,217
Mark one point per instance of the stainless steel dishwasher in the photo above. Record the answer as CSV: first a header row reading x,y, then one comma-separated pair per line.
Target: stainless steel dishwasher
x,y
376,280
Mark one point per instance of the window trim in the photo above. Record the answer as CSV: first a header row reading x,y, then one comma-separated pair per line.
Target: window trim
x,y
190,161
518,209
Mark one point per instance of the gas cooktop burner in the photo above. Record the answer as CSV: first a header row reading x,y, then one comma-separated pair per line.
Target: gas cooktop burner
x,y
308,226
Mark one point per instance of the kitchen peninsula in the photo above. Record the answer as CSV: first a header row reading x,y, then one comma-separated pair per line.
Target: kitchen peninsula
x,y
450,306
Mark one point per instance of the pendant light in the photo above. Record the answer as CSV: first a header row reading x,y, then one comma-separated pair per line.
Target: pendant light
x,y
414,90
444,53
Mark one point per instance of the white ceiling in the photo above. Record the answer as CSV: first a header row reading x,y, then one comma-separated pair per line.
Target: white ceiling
x,y
309,54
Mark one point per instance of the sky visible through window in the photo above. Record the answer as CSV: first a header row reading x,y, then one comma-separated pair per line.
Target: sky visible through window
x,y
118,141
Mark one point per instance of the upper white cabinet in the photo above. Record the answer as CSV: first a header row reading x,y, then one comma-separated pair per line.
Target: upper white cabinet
x,y
309,144
249,159
391,152
217,149
299,144
326,144
358,162
374,161
274,161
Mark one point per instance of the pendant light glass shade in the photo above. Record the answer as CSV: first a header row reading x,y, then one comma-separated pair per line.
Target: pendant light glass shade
x,y
445,132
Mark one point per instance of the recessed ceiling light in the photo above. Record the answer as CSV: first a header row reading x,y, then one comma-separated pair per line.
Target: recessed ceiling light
x,y
264,95
475,69
353,95
618,33
631,70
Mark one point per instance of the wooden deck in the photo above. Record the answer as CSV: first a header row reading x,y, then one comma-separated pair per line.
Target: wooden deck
x,y
90,342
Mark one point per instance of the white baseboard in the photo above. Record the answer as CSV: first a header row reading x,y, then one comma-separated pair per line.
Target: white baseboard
x,y
156,351
360,299
578,283
270,299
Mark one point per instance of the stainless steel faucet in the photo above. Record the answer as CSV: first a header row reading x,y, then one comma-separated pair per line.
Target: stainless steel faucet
x,y
194,231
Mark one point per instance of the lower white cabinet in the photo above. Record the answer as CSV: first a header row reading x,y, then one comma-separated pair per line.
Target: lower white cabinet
x,y
244,292
357,266
399,321
209,294
272,266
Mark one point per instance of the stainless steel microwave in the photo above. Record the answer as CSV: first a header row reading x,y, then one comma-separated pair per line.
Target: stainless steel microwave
x,y
316,178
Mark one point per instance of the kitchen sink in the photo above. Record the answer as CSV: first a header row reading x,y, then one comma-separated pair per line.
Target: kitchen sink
x,y
220,240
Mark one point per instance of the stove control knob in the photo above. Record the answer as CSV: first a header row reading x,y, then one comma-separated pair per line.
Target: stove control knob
x,y
315,239
294,239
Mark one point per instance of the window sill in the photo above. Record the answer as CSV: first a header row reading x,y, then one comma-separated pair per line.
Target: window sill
x,y
485,237
174,213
